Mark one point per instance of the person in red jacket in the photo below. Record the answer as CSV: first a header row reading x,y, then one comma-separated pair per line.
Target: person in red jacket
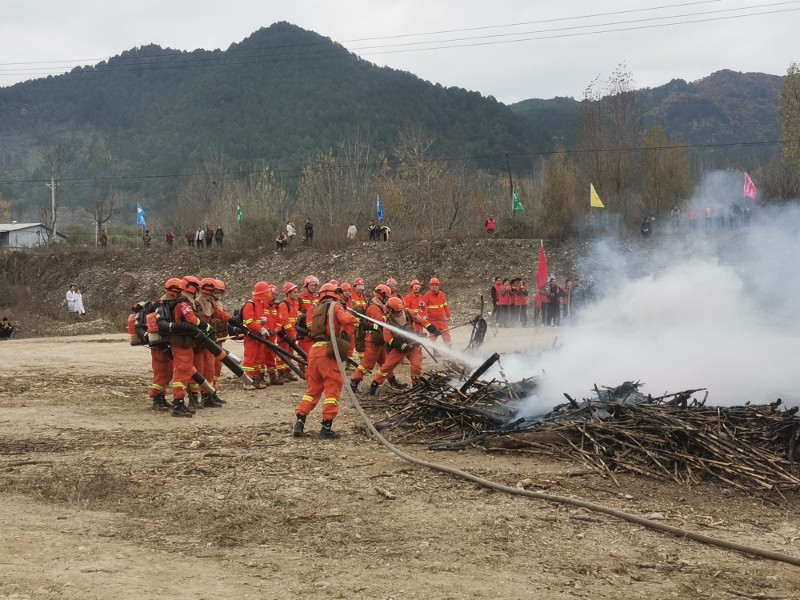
x,y
287,318
374,347
360,306
505,299
254,318
415,303
438,310
308,301
399,346
322,374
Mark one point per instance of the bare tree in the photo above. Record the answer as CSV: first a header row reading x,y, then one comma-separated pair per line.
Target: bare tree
x,y
103,210
56,158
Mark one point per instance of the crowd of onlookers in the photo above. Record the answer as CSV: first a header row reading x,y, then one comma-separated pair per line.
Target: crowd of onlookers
x,y
553,303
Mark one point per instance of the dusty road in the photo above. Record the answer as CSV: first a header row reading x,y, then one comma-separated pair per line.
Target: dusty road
x,y
104,498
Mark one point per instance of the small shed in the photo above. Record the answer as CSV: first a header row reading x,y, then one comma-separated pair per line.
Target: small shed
x,y
25,235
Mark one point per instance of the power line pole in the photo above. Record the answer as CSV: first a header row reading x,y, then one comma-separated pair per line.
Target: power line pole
x,y
52,185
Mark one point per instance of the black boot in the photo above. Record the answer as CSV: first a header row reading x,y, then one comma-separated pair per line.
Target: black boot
x,y
160,403
326,431
179,409
193,405
209,402
392,381
299,426
217,399
354,385
373,387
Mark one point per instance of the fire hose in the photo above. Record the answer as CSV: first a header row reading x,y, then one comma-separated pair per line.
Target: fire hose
x,y
598,508
287,357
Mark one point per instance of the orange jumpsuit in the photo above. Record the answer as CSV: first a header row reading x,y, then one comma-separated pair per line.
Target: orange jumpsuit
x,y
374,347
208,365
254,317
360,306
395,356
438,313
322,373
415,304
182,353
271,359
308,301
162,371
287,317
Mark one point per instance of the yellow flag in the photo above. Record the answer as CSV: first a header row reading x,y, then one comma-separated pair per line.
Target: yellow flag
x,y
594,201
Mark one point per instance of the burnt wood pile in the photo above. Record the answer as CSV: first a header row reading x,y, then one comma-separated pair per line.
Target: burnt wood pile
x,y
753,448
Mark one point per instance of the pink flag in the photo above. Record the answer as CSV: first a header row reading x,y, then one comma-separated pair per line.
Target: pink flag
x,y
750,190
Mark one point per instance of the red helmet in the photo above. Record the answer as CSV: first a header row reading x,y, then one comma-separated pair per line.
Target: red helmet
x,y
273,290
219,285
188,286
358,281
395,304
328,290
334,282
288,287
310,280
261,288
383,290
434,281
192,282
345,287
173,286
391,282
208,285
413,283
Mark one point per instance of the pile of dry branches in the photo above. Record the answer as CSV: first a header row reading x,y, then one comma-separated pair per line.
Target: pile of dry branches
x,y
751,448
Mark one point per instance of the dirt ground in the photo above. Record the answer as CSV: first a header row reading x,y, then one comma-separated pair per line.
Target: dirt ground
x,y
104,498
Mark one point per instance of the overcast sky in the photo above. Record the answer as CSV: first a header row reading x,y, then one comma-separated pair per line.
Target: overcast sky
x,y
509,49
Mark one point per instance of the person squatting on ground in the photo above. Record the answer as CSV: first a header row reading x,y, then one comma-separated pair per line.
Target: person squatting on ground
x,y
254,318
322,374
399,346
438,311
6,329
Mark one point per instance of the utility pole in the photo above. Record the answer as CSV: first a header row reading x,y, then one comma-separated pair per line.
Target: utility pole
x,y
510,183
52,185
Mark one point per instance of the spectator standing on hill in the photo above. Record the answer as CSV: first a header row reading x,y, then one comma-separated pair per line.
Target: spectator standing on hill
x,y
71,300
281,241
103,239
290,231
209,236
189,237
169,237
352,232
490,225
691,217
385,232
199,237
308,229
498,283
147,238
646,228
80,311
219,235
676,217
373,232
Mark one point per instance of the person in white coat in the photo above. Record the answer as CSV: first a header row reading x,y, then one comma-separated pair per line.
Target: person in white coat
x,y
79,309
71,301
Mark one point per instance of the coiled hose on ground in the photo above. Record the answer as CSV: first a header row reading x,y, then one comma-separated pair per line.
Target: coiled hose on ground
x,y
598,508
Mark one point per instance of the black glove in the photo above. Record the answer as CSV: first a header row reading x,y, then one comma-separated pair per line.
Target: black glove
x,y
399,344
433,330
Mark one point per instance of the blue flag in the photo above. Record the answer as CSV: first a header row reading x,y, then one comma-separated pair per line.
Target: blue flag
x,y
140,215
380,210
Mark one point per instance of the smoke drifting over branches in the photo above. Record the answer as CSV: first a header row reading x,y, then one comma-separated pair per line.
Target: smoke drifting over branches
x,y
708,308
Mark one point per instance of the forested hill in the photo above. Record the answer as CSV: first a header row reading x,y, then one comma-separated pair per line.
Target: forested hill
x,y
280,97
724,108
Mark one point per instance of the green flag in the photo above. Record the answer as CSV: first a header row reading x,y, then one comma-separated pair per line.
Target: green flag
x,y
238,214
517,205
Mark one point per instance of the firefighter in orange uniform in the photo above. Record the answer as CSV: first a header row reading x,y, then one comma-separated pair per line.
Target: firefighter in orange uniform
x,y
392,285
160,354
308,301
360,306
287,318
273,326
347,302
374,348
254,317
416,306
399,346
438,310
322,374
200,353
177,311
210,311
221,327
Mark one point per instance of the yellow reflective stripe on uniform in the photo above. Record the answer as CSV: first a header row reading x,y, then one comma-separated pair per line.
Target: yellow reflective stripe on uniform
x,y
248,321
435,305
330,401
318,344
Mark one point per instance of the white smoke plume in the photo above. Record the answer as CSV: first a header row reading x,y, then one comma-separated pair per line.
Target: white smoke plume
x,y
712,308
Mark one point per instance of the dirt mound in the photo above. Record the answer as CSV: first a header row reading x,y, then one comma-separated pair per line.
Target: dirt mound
x,y
111,281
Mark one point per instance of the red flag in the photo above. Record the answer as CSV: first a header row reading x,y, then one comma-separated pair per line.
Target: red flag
x,y
750,190
541,271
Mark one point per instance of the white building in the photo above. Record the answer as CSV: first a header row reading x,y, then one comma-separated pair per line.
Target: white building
x,y
25,235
